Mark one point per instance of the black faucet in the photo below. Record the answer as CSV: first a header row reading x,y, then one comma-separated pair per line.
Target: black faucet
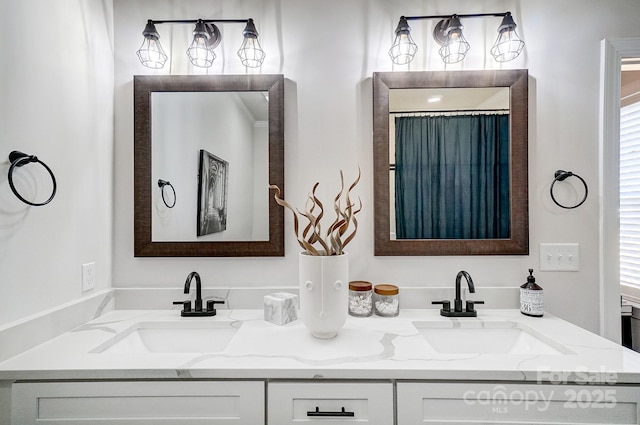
x,y
197,310
457,311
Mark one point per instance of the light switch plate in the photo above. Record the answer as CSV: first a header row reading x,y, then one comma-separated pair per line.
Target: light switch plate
x,y
559,257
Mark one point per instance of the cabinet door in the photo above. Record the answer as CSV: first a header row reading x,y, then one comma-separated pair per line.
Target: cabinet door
x,y
124,403
468,403
330,403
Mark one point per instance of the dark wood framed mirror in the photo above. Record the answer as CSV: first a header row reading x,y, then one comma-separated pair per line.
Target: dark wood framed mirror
x,y
516,239
176,159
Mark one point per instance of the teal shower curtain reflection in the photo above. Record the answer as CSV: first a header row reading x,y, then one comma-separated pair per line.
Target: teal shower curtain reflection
x,y
452,177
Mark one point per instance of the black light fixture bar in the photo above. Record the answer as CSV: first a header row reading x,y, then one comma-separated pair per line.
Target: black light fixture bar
x,y
471,15
195,21
448,34
206,37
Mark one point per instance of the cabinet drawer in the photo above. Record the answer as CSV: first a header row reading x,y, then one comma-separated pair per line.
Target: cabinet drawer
x,y
469,403
124,403
330,403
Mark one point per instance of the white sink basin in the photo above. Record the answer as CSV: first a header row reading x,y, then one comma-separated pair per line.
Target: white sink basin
x,y
487,337
171,337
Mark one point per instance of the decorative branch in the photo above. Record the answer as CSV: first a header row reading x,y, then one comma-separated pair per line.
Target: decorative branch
x,y
334,240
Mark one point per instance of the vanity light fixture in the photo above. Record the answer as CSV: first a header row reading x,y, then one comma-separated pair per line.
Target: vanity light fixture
x,y
508,45
150,53
448,33
206,37
454,47
403,48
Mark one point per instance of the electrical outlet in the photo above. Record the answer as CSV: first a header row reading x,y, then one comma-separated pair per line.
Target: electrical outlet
x,y
560,257
88,276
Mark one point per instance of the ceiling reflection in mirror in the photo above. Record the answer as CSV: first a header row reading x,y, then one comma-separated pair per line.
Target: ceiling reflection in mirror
x,y
230,126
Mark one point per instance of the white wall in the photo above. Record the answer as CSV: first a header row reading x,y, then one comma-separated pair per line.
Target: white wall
x,y
56,102
327,51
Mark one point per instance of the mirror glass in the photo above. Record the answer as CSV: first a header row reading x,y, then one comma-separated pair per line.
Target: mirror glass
x,y
450,159
218,141
231,126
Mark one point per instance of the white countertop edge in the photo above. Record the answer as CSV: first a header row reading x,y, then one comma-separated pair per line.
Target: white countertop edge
x,y
56,359
297,374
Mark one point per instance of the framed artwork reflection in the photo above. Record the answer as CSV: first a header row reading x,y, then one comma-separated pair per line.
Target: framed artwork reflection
x,y
213,175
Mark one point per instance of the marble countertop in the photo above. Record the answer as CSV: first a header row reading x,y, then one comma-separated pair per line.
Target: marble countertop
x,y
366,348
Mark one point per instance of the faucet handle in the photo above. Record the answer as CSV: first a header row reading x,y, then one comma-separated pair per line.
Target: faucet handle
x,y
186,305
446,305
210,304
470,305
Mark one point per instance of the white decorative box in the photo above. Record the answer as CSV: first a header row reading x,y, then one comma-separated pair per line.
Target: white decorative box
x,y
280,308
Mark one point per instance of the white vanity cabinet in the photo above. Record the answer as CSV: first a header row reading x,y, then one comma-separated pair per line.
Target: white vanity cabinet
x,y
314,403
139,402
321,403
503,403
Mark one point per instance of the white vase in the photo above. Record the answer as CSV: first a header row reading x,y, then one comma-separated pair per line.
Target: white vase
x,y
324,296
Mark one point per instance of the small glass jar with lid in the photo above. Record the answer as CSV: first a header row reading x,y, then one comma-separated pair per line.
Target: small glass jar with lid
x,y
360,298
386,300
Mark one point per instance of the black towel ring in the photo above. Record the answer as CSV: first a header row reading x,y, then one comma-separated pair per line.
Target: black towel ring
x,y
18,159
161,185
562,175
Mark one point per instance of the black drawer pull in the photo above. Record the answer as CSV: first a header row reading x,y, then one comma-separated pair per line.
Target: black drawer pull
x,y
317,412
